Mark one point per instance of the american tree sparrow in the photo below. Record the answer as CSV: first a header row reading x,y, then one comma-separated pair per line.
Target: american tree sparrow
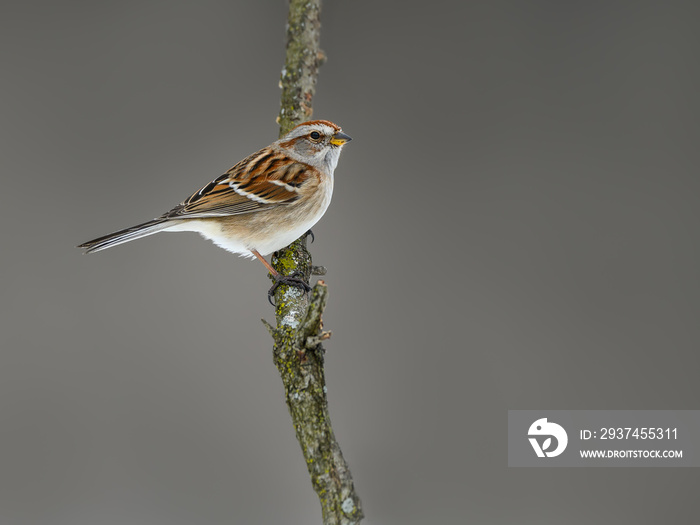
x,y
260,205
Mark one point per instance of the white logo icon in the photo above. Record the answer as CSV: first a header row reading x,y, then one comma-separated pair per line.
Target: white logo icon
x,y
543,428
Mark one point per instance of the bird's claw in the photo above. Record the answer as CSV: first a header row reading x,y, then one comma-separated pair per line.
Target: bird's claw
x,y
289,280
311,234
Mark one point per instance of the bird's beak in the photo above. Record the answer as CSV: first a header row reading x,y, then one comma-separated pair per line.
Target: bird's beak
x,y
340,138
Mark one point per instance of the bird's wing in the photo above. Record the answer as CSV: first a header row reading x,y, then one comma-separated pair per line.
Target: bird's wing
x,y
265,179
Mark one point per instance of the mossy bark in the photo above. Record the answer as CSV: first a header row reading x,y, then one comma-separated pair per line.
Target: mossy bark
x,y
303,58
298,351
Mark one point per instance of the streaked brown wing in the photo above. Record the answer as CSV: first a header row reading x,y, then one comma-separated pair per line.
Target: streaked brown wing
x,y
262,180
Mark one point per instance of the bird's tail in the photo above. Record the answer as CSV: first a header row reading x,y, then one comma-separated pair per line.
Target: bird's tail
x,y
126,235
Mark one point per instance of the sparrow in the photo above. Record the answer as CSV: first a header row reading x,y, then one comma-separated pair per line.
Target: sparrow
x,y
260,205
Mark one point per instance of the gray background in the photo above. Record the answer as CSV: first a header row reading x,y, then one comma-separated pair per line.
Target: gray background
x,y
515,226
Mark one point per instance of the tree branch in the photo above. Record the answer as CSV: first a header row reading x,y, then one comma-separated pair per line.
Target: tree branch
x,y
298,351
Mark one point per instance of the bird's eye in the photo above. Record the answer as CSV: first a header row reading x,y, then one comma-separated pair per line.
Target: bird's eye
x,y
315,136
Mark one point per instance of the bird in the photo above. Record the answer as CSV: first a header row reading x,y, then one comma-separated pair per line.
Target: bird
x,y
260,205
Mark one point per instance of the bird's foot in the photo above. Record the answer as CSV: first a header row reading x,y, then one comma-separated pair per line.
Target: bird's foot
x,y
311,234
289,280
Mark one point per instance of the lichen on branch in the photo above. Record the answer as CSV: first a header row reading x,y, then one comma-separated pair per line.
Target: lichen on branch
x,y
298,337
302,60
